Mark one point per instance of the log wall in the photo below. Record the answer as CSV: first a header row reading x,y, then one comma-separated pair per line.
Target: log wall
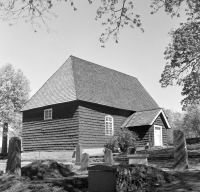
x,y
59,133
92,123
143,135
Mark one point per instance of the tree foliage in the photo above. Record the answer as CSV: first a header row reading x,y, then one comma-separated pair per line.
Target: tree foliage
x,y
116,14
183,62
191,121
122,139
188,122
14,92
175,118
176,122
183,53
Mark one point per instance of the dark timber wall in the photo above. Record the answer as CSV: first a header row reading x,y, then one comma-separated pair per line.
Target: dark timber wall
x,y
92,123
159,121
60,133
143,135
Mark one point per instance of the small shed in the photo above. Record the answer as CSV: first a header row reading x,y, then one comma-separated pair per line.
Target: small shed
x,y
150,125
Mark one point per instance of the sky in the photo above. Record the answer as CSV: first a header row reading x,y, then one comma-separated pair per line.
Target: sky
x,y
39,54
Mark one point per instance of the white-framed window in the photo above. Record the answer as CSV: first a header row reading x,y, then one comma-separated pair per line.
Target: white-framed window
x,y
109,126
47,114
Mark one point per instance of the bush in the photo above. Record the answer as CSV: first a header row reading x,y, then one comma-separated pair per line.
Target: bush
x,y
123,139
140,178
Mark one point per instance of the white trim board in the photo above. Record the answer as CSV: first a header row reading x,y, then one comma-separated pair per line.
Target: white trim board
x,y
166,120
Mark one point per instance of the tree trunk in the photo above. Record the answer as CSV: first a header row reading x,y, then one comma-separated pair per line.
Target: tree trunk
x,y
4,138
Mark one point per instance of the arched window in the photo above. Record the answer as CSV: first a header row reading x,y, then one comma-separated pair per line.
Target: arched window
x,y
109,126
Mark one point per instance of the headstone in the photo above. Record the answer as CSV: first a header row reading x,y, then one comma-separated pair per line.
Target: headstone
x,y
14,156
84,162
4,138
108,157
138,159
102,178
180,151
79,152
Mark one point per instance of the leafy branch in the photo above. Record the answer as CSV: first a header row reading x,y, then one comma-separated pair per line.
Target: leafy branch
x,y
119,14
183,62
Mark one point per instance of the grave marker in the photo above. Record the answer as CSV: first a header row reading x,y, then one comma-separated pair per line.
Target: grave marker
x,y
108,157
14,156
4,138
180,151
102,178
79,152
84,162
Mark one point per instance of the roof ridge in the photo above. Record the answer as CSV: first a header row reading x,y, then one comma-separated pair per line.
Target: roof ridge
x,y
43,85
73,74
149,109
103,66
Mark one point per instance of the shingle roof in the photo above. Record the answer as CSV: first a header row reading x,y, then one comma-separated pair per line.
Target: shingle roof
x,y
78,79
141,118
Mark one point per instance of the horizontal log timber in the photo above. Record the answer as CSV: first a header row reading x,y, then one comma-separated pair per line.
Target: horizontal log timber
x,y
59,133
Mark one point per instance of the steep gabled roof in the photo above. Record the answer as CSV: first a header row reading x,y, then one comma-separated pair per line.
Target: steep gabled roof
x,y
141,118
78,79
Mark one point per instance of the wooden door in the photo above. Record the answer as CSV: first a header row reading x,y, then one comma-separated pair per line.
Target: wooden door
x,y
157,135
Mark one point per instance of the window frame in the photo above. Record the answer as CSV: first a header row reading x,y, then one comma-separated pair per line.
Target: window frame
x,y
47,110
107,129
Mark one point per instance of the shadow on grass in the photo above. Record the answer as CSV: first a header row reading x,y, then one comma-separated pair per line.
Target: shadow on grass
x,y
186,181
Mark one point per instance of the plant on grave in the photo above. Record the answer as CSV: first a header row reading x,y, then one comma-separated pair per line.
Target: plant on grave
x,y
140,178
122,139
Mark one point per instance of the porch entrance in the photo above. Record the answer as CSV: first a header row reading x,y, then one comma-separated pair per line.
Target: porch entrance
x,y
157,135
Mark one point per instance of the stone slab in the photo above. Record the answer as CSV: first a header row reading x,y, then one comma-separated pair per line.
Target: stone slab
x,y
138,159
102,178
84,162
79,152
180,151
13,164
108,157
55,155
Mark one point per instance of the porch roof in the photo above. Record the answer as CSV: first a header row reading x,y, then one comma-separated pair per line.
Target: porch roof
x,y
141,118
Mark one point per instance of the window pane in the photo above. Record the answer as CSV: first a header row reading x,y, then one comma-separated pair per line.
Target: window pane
x,y
108,125
48,114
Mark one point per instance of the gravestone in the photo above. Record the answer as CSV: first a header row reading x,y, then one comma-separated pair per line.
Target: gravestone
x,y
180,151
102,178
108,157
4,138
138,159
79,152
14,156
84,162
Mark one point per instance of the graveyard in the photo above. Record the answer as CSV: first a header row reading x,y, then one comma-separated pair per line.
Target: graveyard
x,y
165,169
58,176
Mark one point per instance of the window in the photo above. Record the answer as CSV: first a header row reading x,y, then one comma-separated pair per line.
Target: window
x,y
47,114
109,128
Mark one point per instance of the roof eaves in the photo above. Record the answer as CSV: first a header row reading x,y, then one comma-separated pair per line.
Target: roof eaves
x,y
164,116
126,123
